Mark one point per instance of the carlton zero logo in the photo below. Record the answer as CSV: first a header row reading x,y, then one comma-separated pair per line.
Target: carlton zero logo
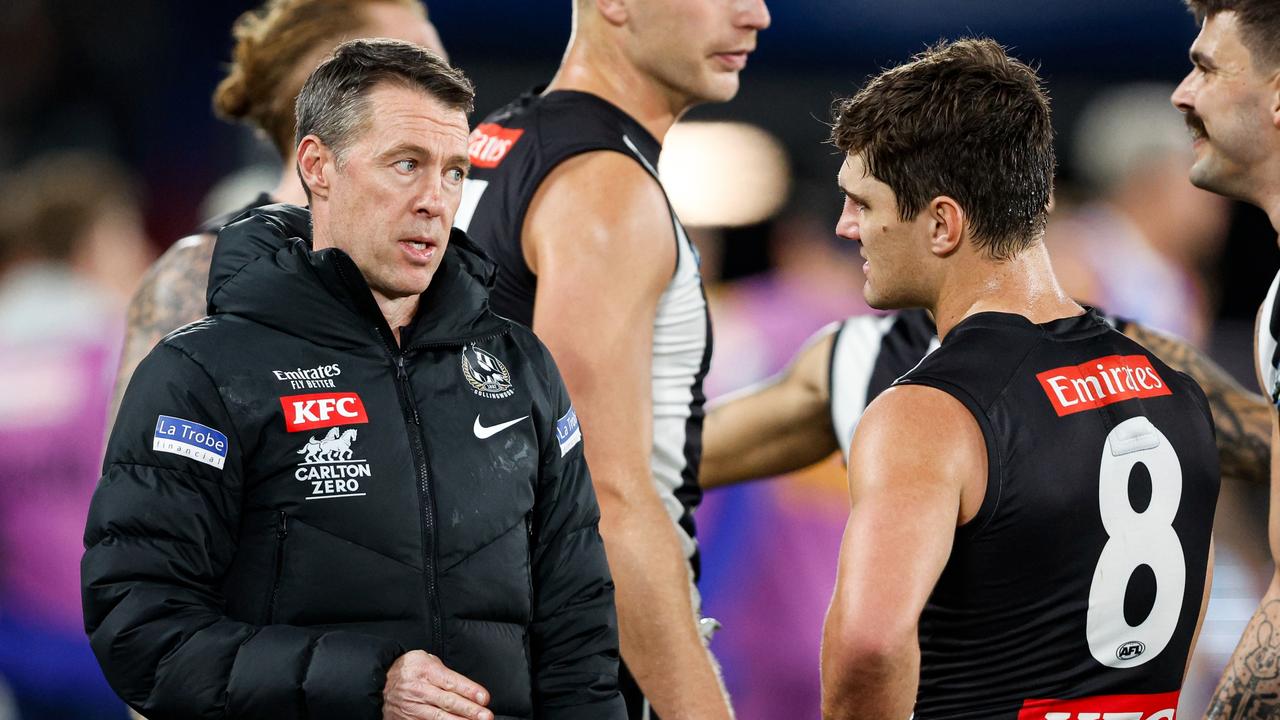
x,y
486,374
489,144
329,467
1103,707
322,410
1103,381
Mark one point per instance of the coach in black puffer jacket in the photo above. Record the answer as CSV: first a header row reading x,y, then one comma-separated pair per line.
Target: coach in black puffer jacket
x,y
290,501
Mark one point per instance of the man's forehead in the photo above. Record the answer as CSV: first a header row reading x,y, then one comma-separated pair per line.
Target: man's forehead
x,y
396,105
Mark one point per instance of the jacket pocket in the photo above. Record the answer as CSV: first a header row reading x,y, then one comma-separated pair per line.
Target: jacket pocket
x,y
277,563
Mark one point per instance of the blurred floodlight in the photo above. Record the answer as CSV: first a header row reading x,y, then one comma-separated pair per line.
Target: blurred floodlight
x,y
721,174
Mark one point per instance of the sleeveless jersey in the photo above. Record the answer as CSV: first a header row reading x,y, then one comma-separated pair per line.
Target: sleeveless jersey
x,y
1267,344
1076,589
870,352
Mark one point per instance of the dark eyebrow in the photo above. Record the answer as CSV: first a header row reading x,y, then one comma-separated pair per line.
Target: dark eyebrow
x,y
853,195
1199,59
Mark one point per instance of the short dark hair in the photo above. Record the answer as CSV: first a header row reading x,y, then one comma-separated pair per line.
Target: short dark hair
x,y
1259,24
965,120
333,103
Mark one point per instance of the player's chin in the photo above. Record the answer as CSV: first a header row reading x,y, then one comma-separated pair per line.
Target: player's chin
x,y
721,86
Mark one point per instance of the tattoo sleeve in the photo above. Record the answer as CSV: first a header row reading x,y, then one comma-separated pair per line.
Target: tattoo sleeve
x,y
1250,688
171,295
1242,418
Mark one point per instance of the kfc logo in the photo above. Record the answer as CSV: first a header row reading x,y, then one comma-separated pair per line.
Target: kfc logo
x,y
321,410
1161,706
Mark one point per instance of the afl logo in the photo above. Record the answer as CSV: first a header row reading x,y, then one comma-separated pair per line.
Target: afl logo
x,y
1130,650
486,374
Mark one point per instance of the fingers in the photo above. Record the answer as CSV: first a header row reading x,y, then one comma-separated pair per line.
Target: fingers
x,y
454,683
421,687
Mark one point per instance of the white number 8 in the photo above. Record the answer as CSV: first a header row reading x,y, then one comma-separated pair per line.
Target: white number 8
x,y
1136,538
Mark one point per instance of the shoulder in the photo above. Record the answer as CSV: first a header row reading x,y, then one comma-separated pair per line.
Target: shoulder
x,y
181,271
939,430
977,360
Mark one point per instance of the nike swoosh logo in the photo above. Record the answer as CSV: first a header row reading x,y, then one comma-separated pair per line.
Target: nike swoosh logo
x,y
484,433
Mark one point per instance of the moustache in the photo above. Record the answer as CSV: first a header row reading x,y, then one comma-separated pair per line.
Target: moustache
x,y
1195,125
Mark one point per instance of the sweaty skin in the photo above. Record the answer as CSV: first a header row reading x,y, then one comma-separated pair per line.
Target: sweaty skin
x,y
783,424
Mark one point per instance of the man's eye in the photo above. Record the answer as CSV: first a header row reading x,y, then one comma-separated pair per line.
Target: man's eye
x,y
457,175
406,165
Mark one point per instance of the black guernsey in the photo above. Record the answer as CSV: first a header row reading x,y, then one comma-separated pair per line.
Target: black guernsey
x,y
511,153
1077,586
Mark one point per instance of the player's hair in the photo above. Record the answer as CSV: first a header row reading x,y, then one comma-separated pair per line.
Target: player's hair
x,y
1259,24
960,119
334,102
271,41
49,205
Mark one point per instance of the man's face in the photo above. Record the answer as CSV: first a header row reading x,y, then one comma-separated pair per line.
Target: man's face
x,y
896,252
392,196
1226,101
696,47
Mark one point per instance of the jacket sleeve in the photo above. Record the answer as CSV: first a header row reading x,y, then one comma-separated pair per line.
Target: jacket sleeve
x,y
161,534
574,633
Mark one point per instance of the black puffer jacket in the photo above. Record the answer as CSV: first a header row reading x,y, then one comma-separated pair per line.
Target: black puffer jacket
x,y
290,501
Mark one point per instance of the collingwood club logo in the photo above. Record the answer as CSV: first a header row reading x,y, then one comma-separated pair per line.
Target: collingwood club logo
x,y
486,374
329,466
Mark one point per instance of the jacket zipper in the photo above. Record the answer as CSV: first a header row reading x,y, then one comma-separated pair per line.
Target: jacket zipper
x,y
426,499
282,532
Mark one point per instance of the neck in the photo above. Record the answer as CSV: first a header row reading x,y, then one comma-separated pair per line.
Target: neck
x,y
601,68
398,312
289,189
1023,285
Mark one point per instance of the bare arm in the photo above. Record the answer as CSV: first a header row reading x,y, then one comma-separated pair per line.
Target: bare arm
x,y
777,427
1242,418
171,295
906,507
599,236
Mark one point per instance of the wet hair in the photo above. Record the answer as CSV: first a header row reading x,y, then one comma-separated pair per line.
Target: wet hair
x,y
265,73
334,102
1259,25
965,120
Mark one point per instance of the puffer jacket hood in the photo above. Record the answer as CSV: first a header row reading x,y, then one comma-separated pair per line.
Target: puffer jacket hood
x,y
264,269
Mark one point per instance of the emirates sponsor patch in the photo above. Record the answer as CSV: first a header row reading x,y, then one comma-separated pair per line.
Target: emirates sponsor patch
x,y
1160,706
489,144
1102,381
322,410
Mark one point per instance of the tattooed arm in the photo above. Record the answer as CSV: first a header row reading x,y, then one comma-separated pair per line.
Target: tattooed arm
x,y
170,296
1242,418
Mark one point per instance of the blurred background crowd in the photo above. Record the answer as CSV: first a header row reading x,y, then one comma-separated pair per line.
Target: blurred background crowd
x,y
110,152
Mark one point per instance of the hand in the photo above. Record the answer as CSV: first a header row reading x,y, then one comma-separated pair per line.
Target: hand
x,y
420,687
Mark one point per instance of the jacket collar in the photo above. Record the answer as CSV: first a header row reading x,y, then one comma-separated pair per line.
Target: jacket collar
x,y
264,269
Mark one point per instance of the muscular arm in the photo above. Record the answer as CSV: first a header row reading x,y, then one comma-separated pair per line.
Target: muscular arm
x,y
906,507
1242,418
170,296
777,427
599,236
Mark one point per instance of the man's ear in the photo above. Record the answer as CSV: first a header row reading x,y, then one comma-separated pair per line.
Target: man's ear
x,y
1275,100
316,165
615,12
948,220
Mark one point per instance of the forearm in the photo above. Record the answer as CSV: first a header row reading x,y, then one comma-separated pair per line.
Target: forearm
x,y
1250,686
659,639
869,683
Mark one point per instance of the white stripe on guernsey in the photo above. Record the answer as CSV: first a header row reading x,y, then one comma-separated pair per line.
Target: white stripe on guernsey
x,y
1265,342
679,342
643,161
852,362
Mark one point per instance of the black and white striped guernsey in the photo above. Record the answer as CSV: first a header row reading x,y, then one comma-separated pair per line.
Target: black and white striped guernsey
x,y
512,152
1268,348
870,352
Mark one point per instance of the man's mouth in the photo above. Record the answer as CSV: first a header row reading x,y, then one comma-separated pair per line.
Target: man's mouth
x,y
1196,126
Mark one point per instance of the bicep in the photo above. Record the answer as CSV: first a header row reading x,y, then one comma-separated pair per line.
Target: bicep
x,y
171,295
605,249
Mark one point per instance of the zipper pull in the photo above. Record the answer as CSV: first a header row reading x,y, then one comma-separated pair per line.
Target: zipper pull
x,y
282,532
400,371
408,395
